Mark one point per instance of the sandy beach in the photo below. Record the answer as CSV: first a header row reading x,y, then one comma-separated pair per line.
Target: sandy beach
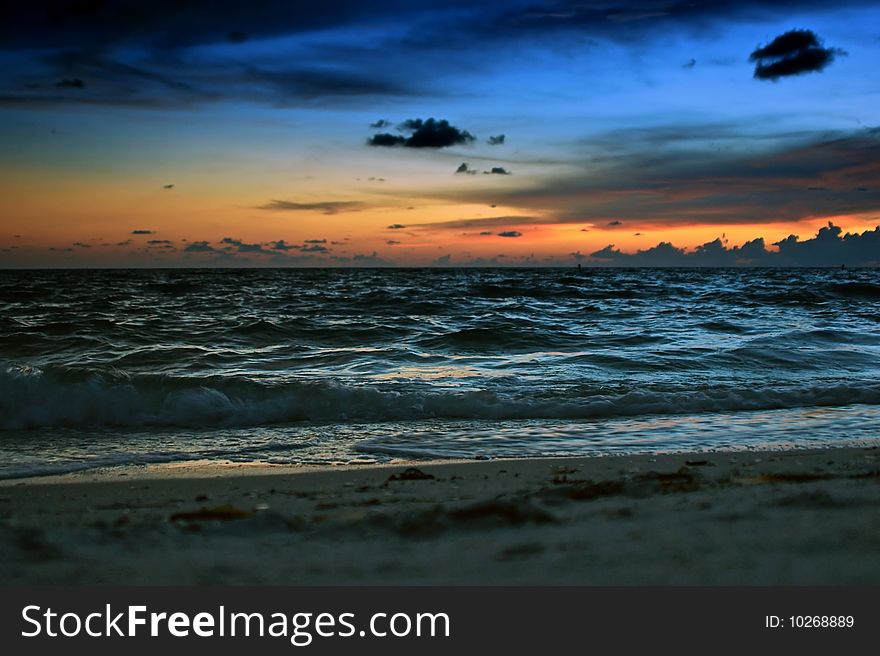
x,y
722,518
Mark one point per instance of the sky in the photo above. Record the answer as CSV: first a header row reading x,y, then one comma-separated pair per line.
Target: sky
x,y
514,133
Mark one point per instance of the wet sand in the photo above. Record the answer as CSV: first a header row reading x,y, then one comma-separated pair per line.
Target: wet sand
x,y
739,518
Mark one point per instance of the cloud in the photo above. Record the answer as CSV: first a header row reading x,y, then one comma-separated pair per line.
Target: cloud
x,y
830,247
480,222
396,226
465,169
364,260
199,247
427,133
486,233
690,63
169,54
281,245
792,53
165,244
615,223
314,241
143,232
510,233
391,242
497,140
241,246
381,123
314,248
443,260
71,83
325,207
386,139
80,244
714,174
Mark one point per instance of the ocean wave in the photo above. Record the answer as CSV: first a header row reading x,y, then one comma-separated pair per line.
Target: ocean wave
x,y
856,290
32,398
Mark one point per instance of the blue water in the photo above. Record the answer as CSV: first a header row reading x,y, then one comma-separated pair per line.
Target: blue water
x,y
125,367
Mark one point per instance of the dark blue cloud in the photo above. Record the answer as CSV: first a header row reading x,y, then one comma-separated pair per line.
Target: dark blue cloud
x,y
130,52
199,247
830,247
793,53
242,247
427,133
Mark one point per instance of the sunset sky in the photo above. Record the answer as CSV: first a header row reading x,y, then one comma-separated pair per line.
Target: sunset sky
x,y
246,134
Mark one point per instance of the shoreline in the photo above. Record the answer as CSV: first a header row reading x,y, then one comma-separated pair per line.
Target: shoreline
x,y
222,468
780,517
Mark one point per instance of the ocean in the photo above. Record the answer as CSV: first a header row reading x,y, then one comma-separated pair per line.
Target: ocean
x,y
127,367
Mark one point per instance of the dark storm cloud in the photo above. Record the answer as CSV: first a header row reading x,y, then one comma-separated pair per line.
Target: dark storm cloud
x,y
142,53
510,233
716,174
497,140
830,247
170,24
143,232
643,19
497,170
326,207
427,133
792,53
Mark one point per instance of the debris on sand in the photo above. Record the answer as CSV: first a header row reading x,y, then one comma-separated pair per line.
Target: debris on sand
x,y
411,474
222,513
